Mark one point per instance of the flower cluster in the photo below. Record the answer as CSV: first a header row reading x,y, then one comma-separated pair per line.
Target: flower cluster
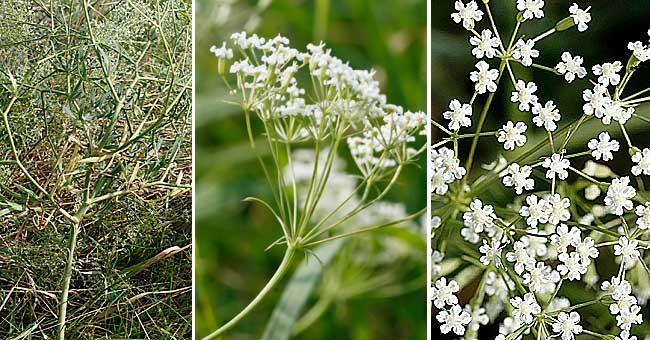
x,y
519,246
344,103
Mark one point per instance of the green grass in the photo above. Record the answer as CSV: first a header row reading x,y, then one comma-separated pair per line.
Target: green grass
x,y
95,143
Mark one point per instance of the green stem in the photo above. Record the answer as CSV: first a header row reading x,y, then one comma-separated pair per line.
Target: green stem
x,y
279,274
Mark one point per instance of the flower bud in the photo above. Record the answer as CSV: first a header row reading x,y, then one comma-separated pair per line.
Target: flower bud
x,y
564,24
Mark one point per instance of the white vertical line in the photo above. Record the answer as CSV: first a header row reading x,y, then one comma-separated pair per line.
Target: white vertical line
x,y
428,217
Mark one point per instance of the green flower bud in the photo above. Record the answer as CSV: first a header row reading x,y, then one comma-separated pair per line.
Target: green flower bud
x,y
564,24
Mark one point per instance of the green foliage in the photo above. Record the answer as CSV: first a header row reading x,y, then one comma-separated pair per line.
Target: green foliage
x,y
96,143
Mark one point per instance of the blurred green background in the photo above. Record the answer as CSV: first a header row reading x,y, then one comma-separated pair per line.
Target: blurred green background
x,y
231,235
614,23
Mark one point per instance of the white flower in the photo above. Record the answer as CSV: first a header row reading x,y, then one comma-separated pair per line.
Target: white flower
x,y
603,147
531,8
632,316
586,249
546,115
617,288
556,165
520,256
478,317
524,94
571,67
567,325
524,309
481,217
643,222
595,101
525,52
468,14
627,249
445,169
436,259
537,211
492,252
486,45
512,135
443,293
625,335
564,238
580,17
222,52
558,209
614,110
624,303
619,195
608,73
541,278
519,177
572,266
454,319
484,78
639,50
643,162
459,114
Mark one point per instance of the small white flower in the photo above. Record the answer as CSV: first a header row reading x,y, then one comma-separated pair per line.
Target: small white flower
x,y
524,309
625,335
627,249
519,177
619,195
614,110
643,222
643,162
520,256
525,51
492,252
484,78
558,209
571,67
436,259
467,13
524,94
624,303
443,293
541,278
478,317
454,320
546,115
531,8
572,266
537,211
564,238
603,147
608,73
616,287
486,45
640,51
586,249
567,325
512,135
556,165
581,17
459,114
632,316
222,52
595,100
480,217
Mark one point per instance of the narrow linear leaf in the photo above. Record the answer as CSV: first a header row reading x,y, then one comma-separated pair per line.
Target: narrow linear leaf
x,y
298,290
